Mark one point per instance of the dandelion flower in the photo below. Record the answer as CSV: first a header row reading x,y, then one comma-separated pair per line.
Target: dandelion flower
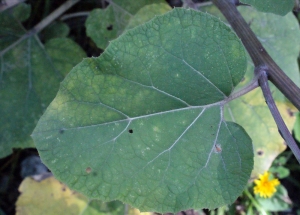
x,y
264,186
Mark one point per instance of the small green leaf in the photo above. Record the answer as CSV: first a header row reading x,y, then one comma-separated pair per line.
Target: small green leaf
x,y
143,123
280,201
280,7
29,78
280,171
55,30
22,12
104,25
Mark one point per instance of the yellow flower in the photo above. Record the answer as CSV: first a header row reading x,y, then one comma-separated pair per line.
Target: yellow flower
x,y
264,186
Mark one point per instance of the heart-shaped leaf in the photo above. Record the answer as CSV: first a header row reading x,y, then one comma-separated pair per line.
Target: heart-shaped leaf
x,y
143,123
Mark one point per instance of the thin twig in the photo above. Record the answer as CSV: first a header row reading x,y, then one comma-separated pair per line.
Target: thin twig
x,y
262,73
8,4
72,15
52,16
257,52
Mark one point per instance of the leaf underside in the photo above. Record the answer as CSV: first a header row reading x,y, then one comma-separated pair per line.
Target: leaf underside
x,y
143,123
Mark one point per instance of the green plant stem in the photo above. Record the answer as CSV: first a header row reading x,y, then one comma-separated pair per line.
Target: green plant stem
x,y
254,202
283,130
258,54
244,90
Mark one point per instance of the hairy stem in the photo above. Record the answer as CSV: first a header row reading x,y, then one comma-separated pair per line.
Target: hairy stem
x,y
257,52
283,130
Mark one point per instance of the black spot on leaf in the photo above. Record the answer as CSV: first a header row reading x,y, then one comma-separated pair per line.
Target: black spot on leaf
x,y
260,152
109,27
130,131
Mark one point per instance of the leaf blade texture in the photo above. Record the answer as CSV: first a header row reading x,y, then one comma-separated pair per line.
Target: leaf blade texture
x,y
143,123
30,74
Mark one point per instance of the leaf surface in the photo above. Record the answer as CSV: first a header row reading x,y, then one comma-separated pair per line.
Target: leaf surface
x,y
104,25
280,7
29,78
143,123
55,30
146,13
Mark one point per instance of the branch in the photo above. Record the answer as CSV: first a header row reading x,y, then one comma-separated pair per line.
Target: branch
x,y
257,52
52,16
261,72
8,4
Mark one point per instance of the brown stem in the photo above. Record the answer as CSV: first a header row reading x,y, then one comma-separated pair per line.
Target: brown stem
x,y
262,74
259,55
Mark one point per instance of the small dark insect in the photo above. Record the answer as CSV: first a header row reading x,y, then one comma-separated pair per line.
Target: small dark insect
x,y
130,131
218,148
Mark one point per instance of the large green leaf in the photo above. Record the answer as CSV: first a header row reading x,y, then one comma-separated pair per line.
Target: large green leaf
x,y
29,78
104,25
143,123
280,7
